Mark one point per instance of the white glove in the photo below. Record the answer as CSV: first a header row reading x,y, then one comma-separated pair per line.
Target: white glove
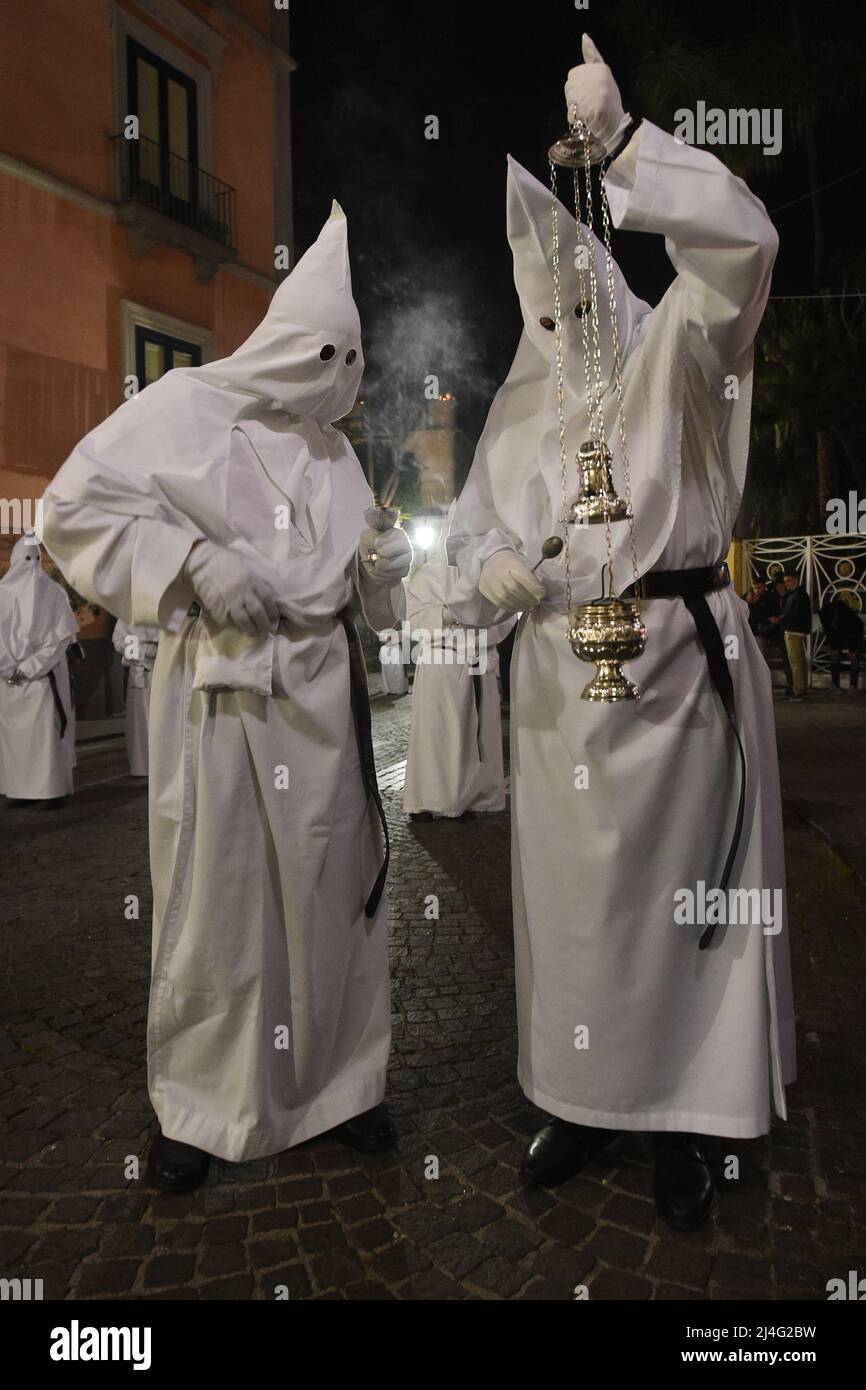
x,y
229,590
591,89
508,582
393,552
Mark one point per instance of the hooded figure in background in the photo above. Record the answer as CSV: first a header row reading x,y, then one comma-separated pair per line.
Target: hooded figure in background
x,y
623,813
223,506
394,681
454,765
37,723
137,646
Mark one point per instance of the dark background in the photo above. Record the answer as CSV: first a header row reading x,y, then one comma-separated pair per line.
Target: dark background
x,y
431,263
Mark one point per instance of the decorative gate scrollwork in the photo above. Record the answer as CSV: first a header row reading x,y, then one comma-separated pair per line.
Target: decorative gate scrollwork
x,y
827,566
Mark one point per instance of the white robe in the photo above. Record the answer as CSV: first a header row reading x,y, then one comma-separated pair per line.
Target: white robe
x,y
37,625
394,680
454,763
269,1015
678,1039
138,648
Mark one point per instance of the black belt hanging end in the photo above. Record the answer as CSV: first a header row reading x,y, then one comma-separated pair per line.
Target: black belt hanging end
x,y
360,697
58,703
714,649
692,586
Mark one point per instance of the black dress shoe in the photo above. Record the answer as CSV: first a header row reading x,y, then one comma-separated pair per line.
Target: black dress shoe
x,y
560,1150
176,1167
38,803
370,1133
421,815
684,1186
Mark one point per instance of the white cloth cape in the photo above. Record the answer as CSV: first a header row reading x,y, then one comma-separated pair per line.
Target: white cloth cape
x,y
452,765
37,625
138,647
269,1015
678,1039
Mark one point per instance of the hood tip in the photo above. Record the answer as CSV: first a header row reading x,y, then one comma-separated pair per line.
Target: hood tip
x,y
522,180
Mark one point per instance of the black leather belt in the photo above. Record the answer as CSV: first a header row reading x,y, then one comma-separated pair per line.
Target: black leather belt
x,y
58,703
478,692
692,586
360,697
681,583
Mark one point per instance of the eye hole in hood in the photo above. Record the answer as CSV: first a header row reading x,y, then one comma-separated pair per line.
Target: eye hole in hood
x,y
530,235
297,355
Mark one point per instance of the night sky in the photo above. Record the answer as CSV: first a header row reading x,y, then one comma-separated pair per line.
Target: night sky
x,y
431,263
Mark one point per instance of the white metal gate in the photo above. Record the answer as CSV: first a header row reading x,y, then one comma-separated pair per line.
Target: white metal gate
x,y
827,566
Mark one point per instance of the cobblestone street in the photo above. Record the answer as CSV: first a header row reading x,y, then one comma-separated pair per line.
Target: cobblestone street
x,y
327,1223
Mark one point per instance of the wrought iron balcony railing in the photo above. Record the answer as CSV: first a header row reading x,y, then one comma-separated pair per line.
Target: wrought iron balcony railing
x,y
151,174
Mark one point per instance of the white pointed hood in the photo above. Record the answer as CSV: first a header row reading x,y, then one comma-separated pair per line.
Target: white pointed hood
x,y
530,235
306,353
34,610
513,496
203,451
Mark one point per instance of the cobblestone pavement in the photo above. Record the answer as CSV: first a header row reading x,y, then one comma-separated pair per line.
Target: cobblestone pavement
x,y
328,1224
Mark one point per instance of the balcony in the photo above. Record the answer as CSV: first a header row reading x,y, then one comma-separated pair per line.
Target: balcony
x,y
170,201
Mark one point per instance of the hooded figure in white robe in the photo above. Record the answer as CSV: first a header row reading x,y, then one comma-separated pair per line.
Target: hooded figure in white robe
x,y
618,807
394,681
454,764
228,486
37,722
137,647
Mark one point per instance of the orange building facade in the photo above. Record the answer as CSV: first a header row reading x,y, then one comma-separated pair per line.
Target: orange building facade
x,y
145,208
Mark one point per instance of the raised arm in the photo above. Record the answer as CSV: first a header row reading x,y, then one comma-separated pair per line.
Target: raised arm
x,y
718,236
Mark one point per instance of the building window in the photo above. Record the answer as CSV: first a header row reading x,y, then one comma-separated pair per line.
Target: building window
x,y
158,353
173,342
164,160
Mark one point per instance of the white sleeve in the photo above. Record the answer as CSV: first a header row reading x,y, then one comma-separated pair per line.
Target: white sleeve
x,y
118,636
129,565
381,605
718,236
477,534
43,661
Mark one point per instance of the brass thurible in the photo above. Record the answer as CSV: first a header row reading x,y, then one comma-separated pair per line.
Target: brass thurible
x,y
607,633
596,501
